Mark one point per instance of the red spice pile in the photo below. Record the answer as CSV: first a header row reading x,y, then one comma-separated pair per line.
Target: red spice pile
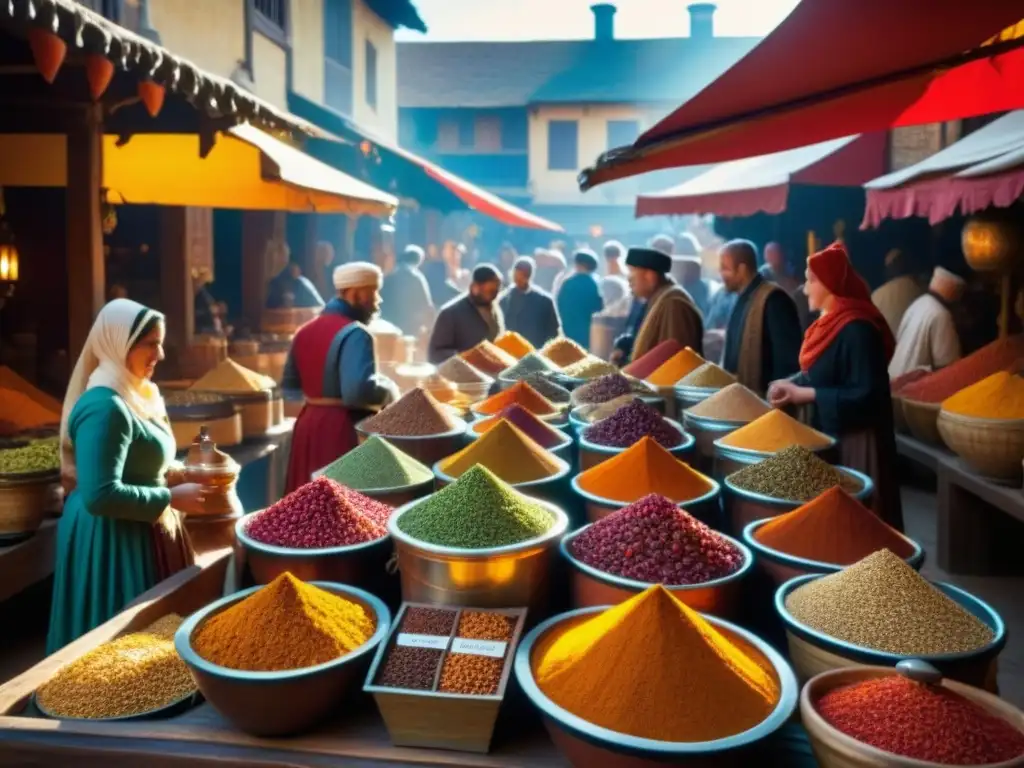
x,y
920,721
322,513
1000,355
654,541
648,363
630,424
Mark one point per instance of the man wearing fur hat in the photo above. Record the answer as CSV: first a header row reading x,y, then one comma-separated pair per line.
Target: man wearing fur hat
x,y
333,366
666,311
927,336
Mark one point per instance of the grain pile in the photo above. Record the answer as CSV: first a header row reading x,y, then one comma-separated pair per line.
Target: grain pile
x,y
883,604
415,414
793,474
590,367
563,352
458,371
707,376
734,403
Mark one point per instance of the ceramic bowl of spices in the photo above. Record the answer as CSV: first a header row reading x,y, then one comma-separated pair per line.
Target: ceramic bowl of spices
x,y
242,651
784,482
848,715
477,542
703,568
629,424
825,535
418,425
880,611
737,711
319,532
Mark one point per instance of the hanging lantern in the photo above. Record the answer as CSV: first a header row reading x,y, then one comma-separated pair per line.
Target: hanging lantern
x,y
152,96
100,71
8,256
989,243
48,52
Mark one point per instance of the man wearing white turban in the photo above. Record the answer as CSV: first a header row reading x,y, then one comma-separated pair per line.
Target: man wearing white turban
x,y
927,336
333,366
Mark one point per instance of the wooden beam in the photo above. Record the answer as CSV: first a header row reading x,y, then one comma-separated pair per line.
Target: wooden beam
x,y
257,229
86,269
176,294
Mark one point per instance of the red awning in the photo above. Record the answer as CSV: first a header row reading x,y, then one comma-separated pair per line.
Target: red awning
x,y
985,168
836,67
761,184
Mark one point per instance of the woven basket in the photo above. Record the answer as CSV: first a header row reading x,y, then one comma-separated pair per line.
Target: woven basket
x,y
993,448
24,504
922,421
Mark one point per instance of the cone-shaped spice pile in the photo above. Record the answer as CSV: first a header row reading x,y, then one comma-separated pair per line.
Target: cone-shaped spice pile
x,y
773,432
539,431
509,453
642,469
377,464
415,414
521,393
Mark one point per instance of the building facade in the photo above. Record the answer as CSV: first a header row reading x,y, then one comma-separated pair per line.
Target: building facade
x,y
523,118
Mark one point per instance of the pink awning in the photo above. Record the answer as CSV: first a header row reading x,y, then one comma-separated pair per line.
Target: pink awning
x,y
985,168
836,67
761,184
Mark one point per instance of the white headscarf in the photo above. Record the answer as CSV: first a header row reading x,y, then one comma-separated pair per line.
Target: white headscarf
x,y
103,363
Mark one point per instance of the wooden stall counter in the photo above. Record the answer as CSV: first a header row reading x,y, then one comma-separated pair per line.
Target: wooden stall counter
x,y
27,562
356,738
979,522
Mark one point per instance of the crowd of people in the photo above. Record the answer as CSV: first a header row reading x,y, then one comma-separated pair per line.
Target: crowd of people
x,y
819,344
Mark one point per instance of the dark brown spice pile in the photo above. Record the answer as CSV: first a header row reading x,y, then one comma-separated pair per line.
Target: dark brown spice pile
x,y
415,414
470,674
428,621
410,668
480,625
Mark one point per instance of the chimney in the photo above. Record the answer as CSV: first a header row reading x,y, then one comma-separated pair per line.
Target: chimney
x,y
702,20
604,21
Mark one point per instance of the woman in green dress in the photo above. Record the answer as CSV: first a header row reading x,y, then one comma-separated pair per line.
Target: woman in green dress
x,y
119,534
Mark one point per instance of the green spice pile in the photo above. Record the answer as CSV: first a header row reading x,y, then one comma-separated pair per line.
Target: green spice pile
x,y
128,676
794,474
377,464
541,382
708,376
883,604
531,363
477,511
41,455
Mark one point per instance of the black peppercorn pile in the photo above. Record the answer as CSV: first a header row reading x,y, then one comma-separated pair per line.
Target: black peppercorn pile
x,y
412,668
428,621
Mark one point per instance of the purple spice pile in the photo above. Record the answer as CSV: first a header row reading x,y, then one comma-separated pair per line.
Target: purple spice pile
x,y
631,423
602,389
654,541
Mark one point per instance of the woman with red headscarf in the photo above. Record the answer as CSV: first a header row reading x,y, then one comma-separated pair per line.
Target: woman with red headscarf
x,y
844,375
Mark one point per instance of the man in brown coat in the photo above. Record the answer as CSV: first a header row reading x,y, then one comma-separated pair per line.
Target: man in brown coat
x,y
662,309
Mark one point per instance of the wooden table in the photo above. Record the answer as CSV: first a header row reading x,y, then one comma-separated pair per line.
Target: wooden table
x,y
978,521
354,738
28,562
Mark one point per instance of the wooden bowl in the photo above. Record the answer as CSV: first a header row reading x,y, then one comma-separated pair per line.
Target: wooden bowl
x,y
584,744
994,448
592,587
497,577
592,454
742,507
704,508
287,702
426,449
922,420
363,564
781,567
834,749
812,652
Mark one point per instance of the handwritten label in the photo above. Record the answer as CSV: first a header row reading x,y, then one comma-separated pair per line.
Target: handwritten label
x,y
492,648
437,642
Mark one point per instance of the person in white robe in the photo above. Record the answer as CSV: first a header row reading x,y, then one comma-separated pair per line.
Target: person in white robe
x,y
927,336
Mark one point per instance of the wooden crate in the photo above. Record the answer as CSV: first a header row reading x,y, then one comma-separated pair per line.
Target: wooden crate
x,y
437,720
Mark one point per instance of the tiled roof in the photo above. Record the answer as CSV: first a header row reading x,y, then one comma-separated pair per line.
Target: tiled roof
x,y
479,75
504,74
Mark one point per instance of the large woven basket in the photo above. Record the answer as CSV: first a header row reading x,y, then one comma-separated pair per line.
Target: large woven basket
x,y
993,448
922,420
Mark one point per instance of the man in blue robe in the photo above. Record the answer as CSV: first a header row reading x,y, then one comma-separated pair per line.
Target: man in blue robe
x,y
528,309
406,295
579,298
292,290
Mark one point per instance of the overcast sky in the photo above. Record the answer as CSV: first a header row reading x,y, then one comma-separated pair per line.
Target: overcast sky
x,y
572,19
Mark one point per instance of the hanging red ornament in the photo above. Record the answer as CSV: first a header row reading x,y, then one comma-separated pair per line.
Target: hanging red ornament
x,y
100,71
48,51
152,96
